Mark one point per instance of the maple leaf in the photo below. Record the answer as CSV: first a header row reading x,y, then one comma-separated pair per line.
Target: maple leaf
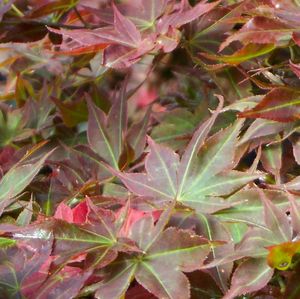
x,y
122,42
166,253
254,245
98,236
199,178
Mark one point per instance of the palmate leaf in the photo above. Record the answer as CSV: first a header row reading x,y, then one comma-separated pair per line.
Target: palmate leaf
x,y
82,41
139,29
94,235
254,244
98,237
199,178
166,253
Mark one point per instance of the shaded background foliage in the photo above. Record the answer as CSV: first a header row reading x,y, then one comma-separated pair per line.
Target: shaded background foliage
x,y
149,149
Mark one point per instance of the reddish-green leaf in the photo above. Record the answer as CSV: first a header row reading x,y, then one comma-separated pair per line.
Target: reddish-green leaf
x,y
250,276
246,53
280,104
19,177
261,30
159,269
52,7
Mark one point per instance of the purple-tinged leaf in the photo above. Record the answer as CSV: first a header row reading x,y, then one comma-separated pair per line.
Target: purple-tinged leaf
x,y
255,241
295,213
205,179
247,207
250,276
261,30
117,122
212,229
173,126
174,251
280,104
65,284
295,68
184,16
159,268
161,165
25,216
136,136
275,219
5,7
19,264
197,181
271,159
215,156
98,137
119,56
261,128
192,149
125,26
18,178
117,279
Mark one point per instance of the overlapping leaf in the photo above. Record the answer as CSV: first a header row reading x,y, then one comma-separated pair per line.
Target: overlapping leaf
x,y
166,253
195,180
18,178
280,104
106,134
261,30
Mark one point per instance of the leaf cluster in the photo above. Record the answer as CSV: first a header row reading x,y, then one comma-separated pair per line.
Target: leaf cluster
x,y
149,149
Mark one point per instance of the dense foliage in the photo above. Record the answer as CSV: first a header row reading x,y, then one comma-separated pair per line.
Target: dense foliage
x,y
149,149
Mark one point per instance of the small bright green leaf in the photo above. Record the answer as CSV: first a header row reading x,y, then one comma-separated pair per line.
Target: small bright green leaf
x,y
6,242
